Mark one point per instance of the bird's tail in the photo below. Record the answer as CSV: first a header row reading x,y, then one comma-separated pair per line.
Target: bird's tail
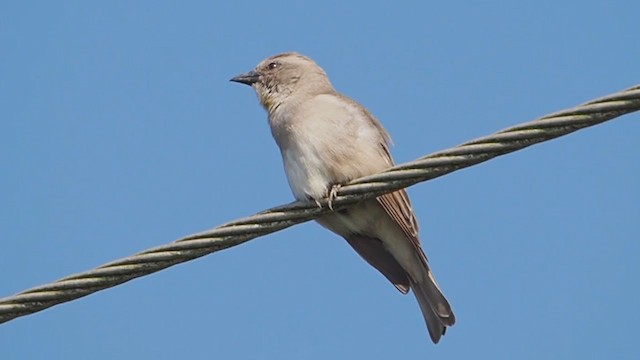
x,y
435,308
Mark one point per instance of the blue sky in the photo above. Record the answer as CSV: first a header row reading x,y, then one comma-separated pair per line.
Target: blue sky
x,y
120,131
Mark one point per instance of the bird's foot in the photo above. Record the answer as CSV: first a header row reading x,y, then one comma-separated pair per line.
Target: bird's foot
x,y
333,194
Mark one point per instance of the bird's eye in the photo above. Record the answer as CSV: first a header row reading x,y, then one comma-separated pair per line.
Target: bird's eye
x,y
272,65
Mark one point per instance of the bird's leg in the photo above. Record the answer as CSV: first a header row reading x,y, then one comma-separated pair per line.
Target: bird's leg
x,y
333,193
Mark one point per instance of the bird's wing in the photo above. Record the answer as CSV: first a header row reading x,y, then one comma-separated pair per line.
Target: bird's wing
x,y
398,206
373,251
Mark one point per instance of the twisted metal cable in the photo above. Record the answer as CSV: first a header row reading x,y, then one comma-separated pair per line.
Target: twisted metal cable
x,y
274,219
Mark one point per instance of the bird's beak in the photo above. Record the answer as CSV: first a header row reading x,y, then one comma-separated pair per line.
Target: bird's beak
x,y
249,78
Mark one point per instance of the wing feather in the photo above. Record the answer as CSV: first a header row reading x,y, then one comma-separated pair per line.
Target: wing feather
x,y
397,204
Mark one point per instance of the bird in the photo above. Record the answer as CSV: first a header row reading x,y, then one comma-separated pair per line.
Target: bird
x,y
327,139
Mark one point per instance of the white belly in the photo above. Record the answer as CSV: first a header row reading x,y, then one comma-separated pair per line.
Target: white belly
x,y
307,173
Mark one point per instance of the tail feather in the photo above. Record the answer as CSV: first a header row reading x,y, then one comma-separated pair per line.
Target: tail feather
x,y
435,308
440,305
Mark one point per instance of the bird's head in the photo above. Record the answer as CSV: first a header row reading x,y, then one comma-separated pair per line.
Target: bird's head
x,y
280,77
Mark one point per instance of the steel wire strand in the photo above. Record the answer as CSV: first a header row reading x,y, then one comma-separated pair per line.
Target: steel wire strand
x,y
239,231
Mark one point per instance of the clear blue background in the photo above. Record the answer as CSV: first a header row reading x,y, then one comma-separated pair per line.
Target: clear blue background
x,y
120,131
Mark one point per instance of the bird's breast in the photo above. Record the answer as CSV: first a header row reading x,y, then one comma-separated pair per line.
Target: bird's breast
x,y
325,141
307,170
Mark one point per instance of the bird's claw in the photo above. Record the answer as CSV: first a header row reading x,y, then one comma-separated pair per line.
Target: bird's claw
x,y
333,194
